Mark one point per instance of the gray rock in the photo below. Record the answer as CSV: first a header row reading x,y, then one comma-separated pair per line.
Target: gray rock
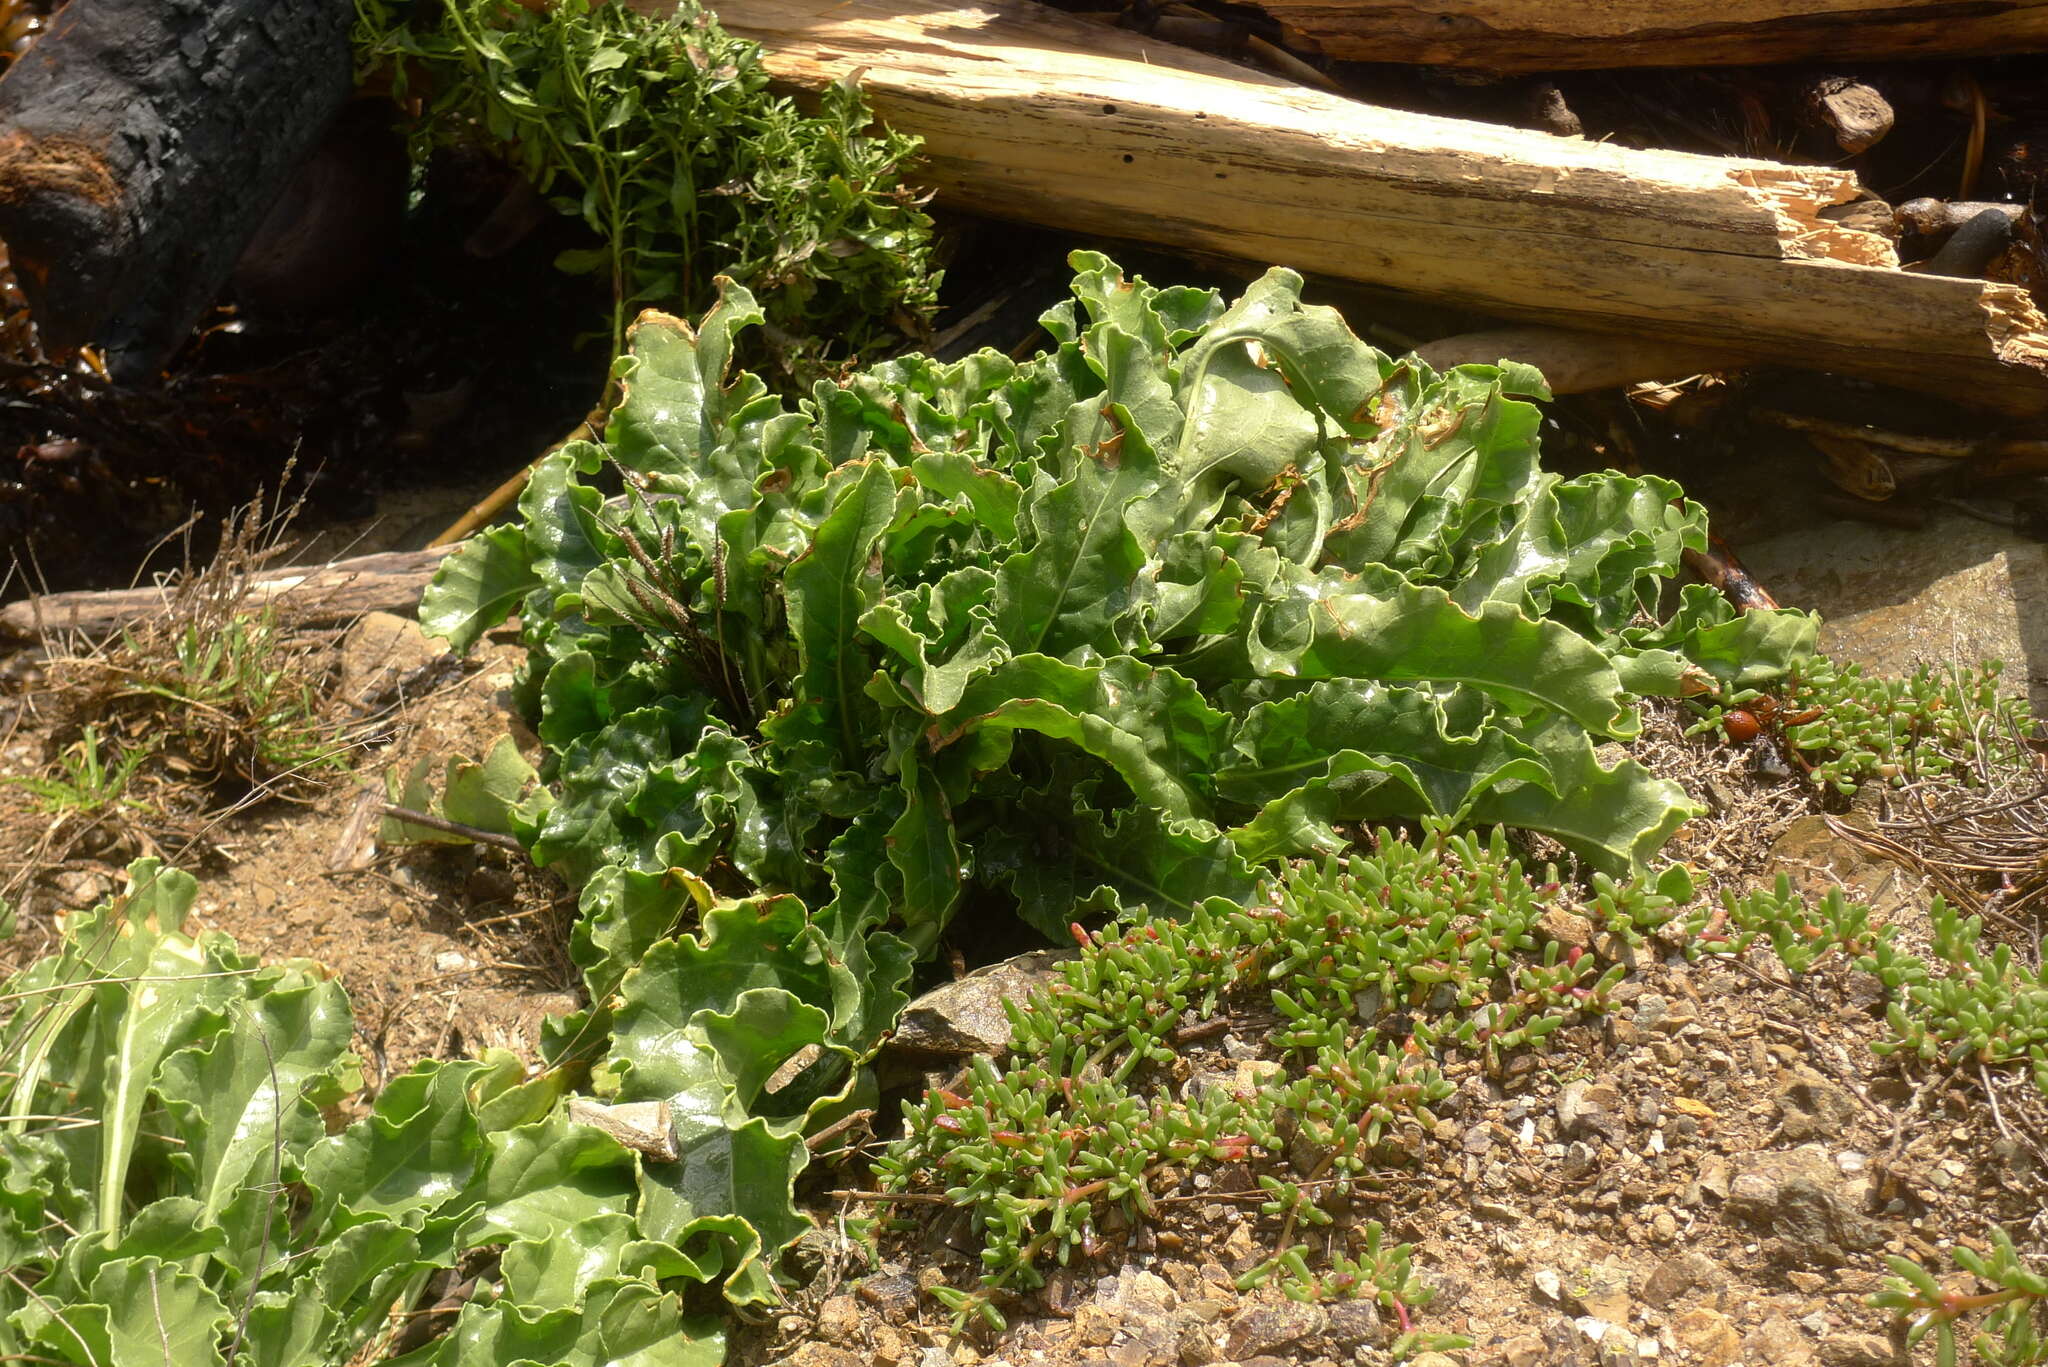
x,y
379,654
1259,1330
1146,1343
1651,1008
1677,1275
1794,1195
1811,1107
1586,1107
894,1295
1355,1324
1137,1293
1955,589
1857,1350
1194,1341
966,1016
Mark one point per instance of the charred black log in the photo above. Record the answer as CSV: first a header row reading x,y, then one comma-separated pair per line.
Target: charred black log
x,y
142,142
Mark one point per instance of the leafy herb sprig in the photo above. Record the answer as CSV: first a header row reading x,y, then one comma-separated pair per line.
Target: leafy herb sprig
x,y
661,134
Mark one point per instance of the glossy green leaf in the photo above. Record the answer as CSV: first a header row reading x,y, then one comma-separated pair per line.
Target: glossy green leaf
x,y
478,586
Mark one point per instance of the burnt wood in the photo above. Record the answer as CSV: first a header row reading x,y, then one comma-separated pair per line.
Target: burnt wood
x,y
142,143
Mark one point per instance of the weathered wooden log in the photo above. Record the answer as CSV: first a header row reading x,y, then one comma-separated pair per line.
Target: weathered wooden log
x,y
314,595
1028,113
1575,362
142,143
1558,35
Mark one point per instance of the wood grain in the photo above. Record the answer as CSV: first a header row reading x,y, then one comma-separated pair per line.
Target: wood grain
x,y
1030,114
316,595
1557,35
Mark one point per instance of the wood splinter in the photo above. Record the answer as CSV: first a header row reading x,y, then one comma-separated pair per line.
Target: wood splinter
x,y
646,1127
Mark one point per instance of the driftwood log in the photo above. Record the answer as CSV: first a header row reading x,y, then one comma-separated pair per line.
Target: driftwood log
x,y
142,143
314,595
1557,35
1031,114
1575,362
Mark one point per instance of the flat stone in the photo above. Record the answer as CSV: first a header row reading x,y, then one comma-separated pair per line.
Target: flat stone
x,y
1355,1324
380,653
1957,588
1676,1275
1812,1107
1779,1342
1603,1293
1259,1330
1568,928
1148,1344
1856,1350
1135,1292
1708,1335
966,1016
1588,1107
1794,1194
893,1294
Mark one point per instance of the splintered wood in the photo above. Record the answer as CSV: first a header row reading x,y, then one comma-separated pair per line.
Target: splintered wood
x,y
1557,35
1031,114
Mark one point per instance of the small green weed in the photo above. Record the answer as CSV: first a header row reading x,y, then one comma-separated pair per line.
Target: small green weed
x,y
1377,965
1846,728
2009,1336
235,699
85,782
1964,1005
209,699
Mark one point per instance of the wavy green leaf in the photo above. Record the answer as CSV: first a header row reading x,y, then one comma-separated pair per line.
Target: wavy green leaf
x,y
245,1100
477,587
